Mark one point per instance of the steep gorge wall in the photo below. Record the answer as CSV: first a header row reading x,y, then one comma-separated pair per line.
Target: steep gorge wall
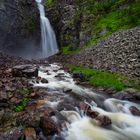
x,y
19,24
69,22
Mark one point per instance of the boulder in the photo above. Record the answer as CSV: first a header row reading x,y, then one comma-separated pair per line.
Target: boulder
x,y
25,71
44,81
134,111
30,134
48,125
103,120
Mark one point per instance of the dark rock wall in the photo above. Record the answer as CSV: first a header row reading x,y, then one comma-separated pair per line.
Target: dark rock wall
x,y
69,22
19,24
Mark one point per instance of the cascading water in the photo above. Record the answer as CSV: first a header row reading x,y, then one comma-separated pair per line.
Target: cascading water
x,y
49,43
79,126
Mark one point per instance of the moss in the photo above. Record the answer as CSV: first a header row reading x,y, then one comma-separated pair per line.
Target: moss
x,y
99,78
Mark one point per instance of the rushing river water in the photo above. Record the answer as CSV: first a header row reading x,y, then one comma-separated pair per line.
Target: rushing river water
x,y
124,125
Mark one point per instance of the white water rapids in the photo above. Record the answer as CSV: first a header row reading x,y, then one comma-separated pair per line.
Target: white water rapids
x,y
124,125
49,44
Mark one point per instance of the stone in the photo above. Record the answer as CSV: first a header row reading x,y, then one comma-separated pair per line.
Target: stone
x,y
92,114
103,120
67,90
25,71
87,110
30,134
134,111
48,126
44,81
84,106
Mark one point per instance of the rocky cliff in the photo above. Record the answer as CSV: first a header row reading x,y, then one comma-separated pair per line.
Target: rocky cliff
x,y
19,24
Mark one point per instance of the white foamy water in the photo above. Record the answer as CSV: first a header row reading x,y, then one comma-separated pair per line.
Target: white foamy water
x,y
49,44
124,125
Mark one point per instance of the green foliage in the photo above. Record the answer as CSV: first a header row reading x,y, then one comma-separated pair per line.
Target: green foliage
x,y
112,15
69,50
22,105
48,3
99,78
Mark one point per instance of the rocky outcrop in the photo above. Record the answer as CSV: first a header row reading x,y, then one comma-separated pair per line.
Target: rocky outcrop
x,y
25,71
18,25
69,22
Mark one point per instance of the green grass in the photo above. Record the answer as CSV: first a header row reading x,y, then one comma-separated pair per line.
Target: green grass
x,y
22,105
110,15
48,3
98,78
69,50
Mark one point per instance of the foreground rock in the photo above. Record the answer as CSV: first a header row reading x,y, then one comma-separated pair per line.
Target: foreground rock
x,y
48,126
25,71
30,134
134,111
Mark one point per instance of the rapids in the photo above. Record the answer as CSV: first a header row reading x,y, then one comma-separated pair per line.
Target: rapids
x,y
124,125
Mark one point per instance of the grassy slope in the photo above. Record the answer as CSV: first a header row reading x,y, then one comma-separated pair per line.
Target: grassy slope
x,y
111,16
99,78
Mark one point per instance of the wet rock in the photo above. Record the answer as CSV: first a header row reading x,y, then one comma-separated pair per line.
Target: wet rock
x,y
87,110
48,126
66,90
43,80
79,76
127,94
103,121
84,106
25,71
30,134
92,114
134,111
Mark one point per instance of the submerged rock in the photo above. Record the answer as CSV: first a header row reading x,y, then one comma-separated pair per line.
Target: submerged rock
x,y
43,80
134,111
25,71
103,120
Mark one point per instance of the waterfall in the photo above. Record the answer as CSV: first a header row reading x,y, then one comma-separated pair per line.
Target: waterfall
x,y
49,44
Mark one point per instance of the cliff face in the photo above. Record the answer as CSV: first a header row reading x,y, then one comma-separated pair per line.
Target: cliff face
x,y
19,24
79,23
69,22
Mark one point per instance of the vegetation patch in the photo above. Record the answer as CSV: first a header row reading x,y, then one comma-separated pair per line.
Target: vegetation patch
x,y
99,78
22,105
69,50
48,3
